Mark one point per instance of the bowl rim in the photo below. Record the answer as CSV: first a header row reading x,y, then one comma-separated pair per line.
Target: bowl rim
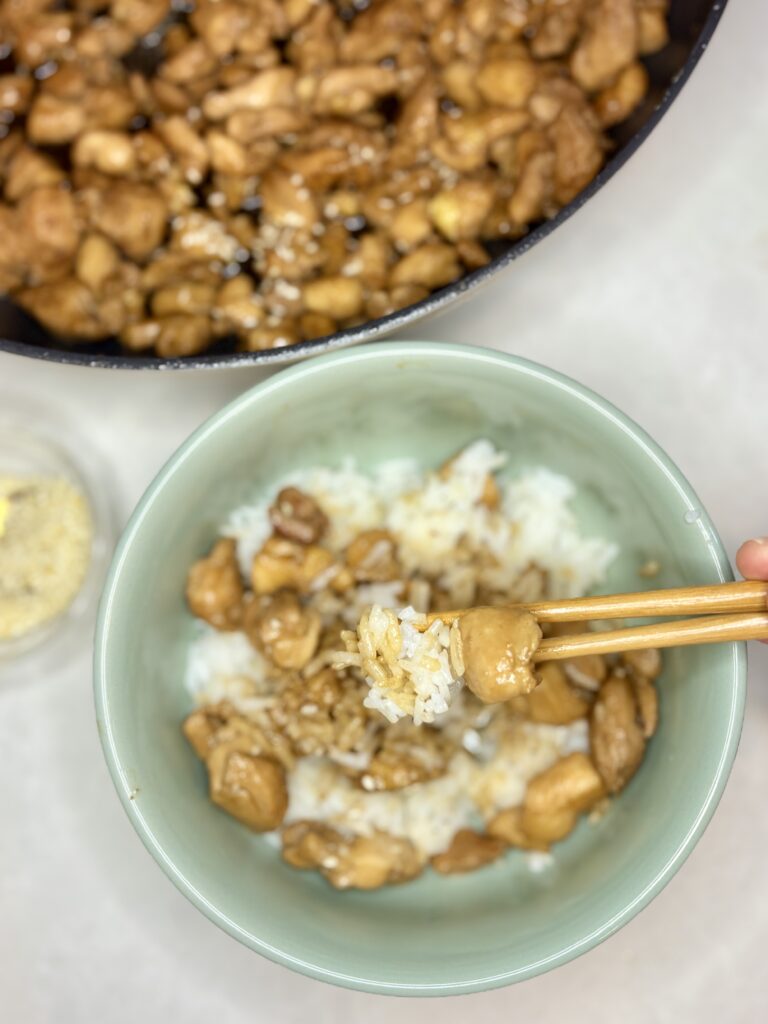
x,y
401,318
403,351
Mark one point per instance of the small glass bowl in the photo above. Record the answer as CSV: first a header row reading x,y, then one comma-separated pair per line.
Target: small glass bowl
x,y
41,441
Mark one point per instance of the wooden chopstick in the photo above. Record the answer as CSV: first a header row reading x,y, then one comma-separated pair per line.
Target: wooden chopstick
x,y
708,630
746,596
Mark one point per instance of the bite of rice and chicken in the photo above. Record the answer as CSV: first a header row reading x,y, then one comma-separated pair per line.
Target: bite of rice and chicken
x,y
368,746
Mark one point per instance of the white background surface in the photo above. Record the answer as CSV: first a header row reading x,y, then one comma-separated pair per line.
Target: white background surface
x,y
656,295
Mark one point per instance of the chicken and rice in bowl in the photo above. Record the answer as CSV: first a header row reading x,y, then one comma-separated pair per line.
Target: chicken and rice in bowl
x,y
332,719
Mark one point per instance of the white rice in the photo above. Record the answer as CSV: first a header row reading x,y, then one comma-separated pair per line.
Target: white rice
x,y
411,672
429,814
440,525
352,500
226,666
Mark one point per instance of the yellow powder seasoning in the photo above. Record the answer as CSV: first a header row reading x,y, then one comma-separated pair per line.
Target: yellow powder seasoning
x,y
45,549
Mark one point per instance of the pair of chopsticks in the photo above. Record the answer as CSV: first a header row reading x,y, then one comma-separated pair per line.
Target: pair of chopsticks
x,y
742,615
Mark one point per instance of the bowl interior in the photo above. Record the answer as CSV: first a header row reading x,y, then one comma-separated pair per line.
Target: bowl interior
x,y
691,24
433,935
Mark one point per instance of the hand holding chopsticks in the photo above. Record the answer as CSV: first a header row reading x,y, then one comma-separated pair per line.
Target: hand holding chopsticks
x,y
742,615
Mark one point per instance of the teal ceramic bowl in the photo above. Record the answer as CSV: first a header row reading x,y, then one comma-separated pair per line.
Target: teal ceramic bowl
x,y
434,936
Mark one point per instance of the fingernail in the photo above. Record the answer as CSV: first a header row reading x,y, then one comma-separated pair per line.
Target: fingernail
x,y
759,540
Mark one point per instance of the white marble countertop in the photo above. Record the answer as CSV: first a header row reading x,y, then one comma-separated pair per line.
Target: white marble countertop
x,y
655,295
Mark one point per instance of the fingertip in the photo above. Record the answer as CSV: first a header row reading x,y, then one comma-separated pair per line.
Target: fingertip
x,y
752,559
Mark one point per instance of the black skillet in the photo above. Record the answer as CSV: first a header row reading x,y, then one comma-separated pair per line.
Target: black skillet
x,y
692,23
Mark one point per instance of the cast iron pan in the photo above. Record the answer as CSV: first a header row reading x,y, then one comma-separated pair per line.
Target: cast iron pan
x,y
692,23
